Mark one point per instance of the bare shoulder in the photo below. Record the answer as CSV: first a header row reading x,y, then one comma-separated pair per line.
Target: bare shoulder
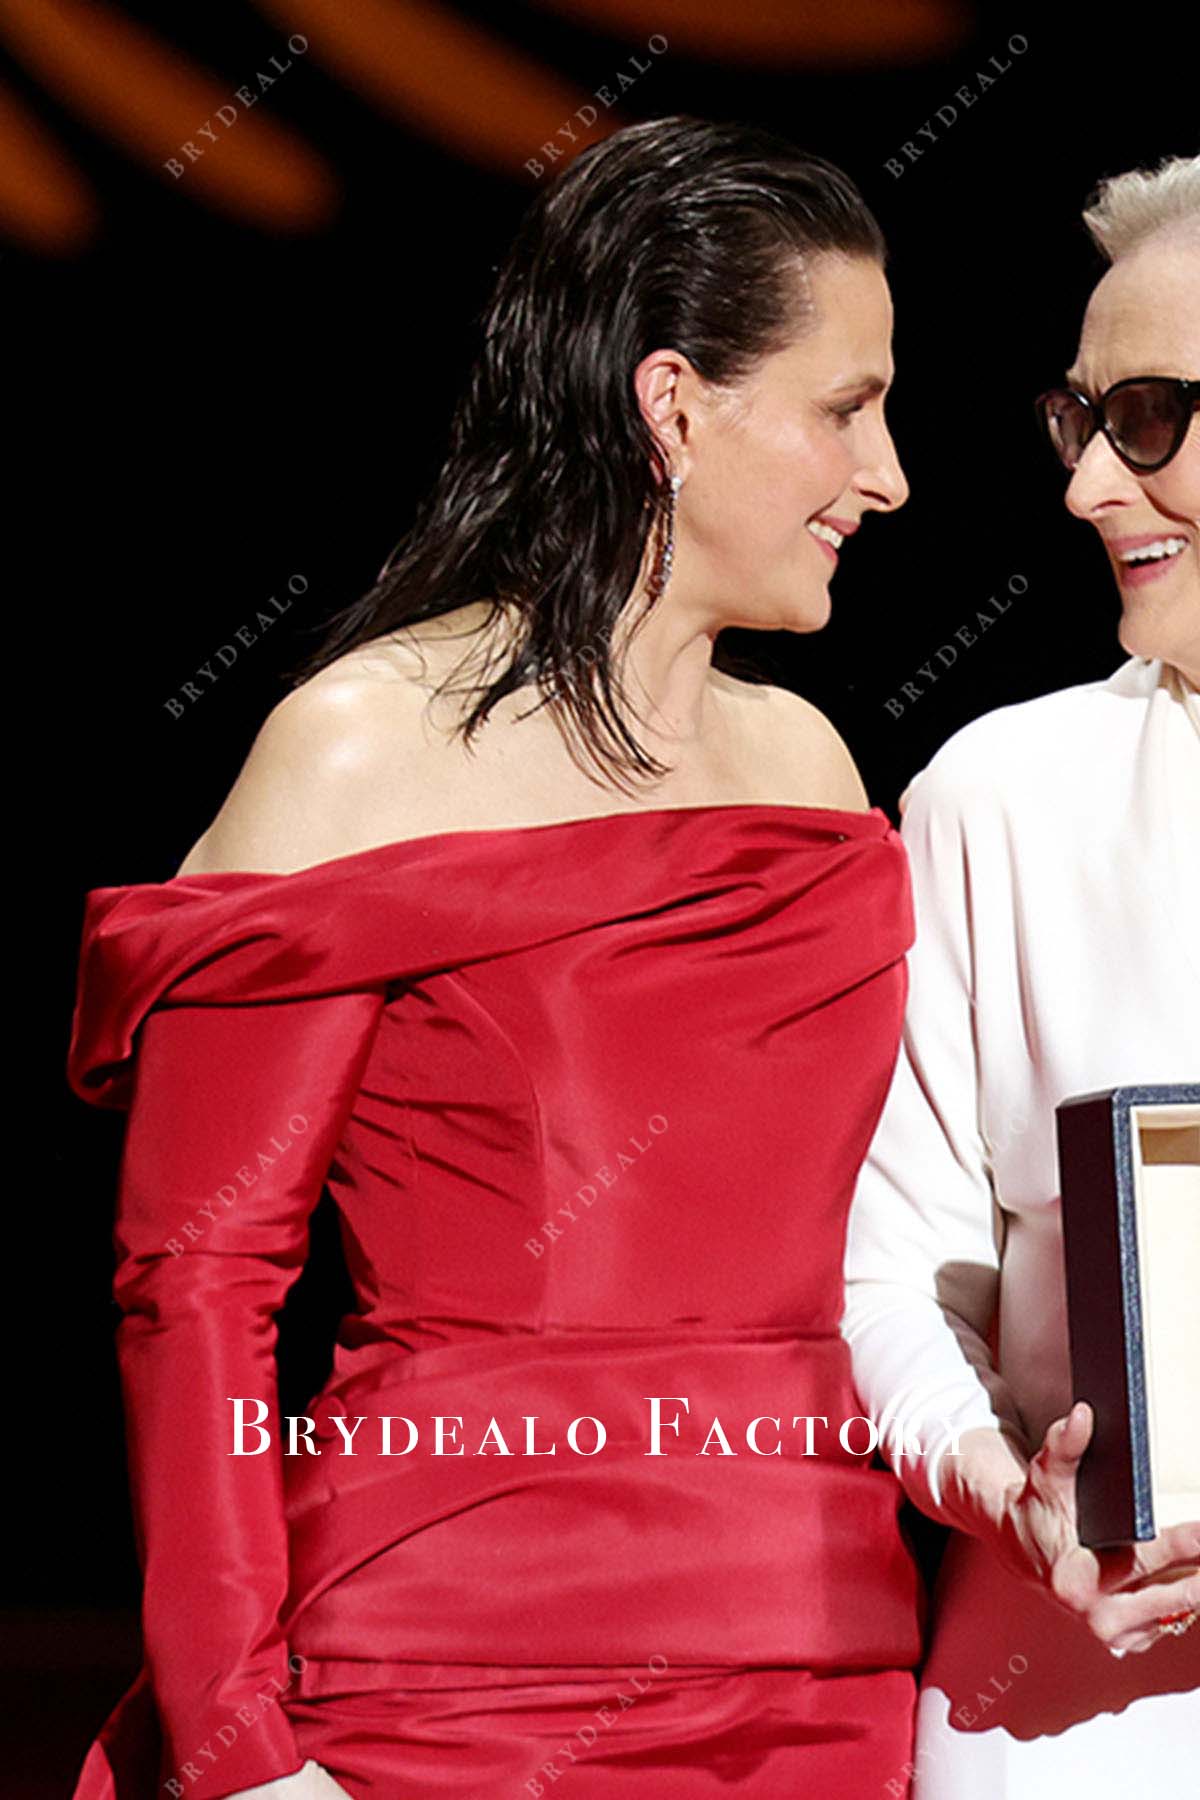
x,y
795,744
316,767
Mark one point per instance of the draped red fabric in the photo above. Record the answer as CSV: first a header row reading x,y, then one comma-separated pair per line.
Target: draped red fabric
x,y
591,1099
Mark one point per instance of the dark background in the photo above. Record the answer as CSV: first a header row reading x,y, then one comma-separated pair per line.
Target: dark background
x,y
206,404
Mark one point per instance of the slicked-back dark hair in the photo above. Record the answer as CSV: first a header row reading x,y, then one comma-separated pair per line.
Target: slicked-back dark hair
x,y
675,233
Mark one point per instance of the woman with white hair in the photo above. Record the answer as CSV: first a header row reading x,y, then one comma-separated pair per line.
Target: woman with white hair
x,y
1055,856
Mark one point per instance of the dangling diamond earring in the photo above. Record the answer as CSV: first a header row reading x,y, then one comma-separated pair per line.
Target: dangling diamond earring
x,y
662,569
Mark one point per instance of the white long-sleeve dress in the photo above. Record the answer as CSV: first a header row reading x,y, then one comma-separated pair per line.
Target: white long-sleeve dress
x,y
1054,847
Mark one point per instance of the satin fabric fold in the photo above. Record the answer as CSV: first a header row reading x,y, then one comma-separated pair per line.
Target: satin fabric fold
x,y
732,1556
403,910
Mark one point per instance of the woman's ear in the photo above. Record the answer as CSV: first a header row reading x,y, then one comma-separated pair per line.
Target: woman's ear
x,y
660,383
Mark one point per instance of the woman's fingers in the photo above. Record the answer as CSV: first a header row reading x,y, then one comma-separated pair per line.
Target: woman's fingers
x,y
1119,1594
1179,1544
1074,1580
1064,1444
1128,1621
1172,1555
1136,1643
1037,1536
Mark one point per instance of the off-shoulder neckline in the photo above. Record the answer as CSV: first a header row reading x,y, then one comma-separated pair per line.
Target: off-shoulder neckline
x,y
431,839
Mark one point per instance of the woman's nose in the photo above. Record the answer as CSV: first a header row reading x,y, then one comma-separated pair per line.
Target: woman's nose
x,y
885,481
1099,477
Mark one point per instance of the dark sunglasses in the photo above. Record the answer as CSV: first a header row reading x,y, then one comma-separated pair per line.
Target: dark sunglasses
x,y
1145,418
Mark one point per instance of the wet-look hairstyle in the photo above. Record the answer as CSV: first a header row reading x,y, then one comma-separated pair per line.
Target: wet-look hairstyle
x,y
675,233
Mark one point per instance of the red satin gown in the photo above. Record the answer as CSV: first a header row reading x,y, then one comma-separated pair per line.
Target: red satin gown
x,y
591,1098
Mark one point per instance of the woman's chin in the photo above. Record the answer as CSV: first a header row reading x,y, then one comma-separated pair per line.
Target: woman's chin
x,y
811,613
1146,633
799,606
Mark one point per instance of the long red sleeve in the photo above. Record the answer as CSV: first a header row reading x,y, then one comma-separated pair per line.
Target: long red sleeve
x,y
235,1115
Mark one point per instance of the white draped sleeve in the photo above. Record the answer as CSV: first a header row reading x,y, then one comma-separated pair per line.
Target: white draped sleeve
x,y
925,1231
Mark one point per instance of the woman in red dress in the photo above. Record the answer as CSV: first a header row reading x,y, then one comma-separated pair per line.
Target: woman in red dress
x,y
588,1061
